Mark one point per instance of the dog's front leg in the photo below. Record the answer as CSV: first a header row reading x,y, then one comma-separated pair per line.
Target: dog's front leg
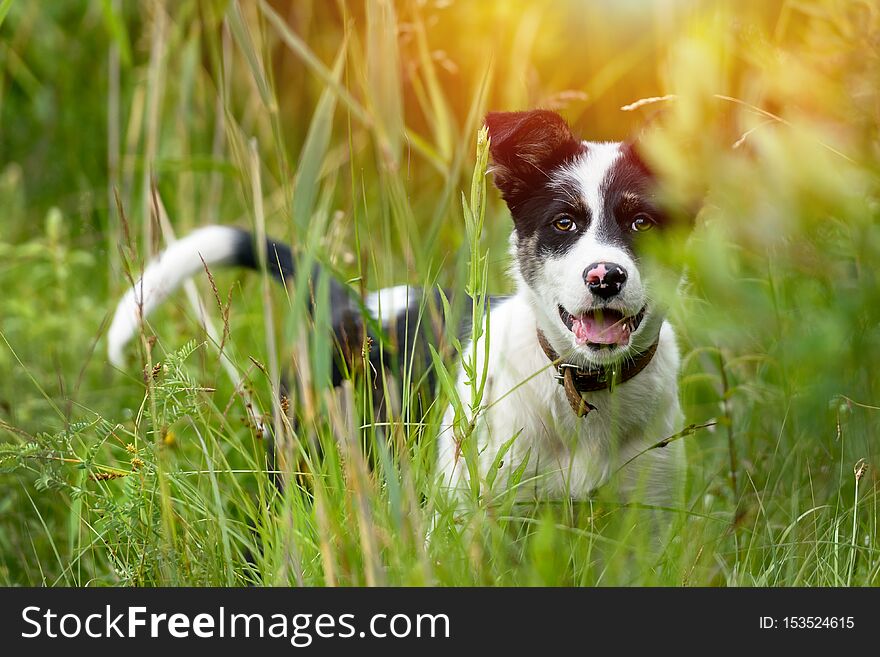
x,y
652,478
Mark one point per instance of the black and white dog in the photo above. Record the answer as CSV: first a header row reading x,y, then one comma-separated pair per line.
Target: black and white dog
x,y
581,366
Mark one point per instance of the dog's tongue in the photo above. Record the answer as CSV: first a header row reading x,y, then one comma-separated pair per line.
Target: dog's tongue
x,y
600,330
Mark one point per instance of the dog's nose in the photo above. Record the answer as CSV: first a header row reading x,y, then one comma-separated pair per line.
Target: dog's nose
x,y
605,279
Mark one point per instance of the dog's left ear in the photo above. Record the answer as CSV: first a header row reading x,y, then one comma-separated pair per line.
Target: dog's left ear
x,y
525,147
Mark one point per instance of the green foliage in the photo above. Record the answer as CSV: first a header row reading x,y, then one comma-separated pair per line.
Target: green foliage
x,y
121,121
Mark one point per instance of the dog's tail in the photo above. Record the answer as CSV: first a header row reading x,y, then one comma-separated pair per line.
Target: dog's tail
x,y
211,246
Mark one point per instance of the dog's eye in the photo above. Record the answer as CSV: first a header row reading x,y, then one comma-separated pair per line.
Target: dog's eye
x,y
564,223
642,222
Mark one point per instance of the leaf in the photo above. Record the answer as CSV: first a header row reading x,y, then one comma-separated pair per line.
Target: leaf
x,y
517,475
243,36
300,48
314,150
498,461
446,382
383,75
4,9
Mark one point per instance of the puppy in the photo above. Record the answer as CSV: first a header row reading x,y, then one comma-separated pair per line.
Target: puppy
x,y
581,368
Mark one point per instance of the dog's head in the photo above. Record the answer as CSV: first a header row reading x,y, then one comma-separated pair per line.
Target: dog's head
x,y
580,210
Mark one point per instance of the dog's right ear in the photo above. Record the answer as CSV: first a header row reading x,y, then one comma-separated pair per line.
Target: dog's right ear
x,y
525,147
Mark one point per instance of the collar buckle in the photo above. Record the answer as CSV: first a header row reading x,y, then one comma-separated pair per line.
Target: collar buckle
x,y
560,370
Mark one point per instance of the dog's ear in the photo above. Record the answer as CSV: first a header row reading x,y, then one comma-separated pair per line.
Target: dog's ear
x,y
525,146
682,202
631,151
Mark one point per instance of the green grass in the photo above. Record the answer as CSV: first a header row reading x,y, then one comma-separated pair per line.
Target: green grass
x,y
349,129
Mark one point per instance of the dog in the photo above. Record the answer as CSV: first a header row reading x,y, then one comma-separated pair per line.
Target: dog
x,y
581,371
581,368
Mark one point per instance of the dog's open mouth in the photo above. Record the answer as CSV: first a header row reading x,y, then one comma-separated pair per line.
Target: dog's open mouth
x,y
602,327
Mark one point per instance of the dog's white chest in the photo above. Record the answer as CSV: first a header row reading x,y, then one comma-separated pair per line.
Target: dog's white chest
x,y
564,455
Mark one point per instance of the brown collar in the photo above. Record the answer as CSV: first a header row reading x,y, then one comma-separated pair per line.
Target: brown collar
x,y
578,380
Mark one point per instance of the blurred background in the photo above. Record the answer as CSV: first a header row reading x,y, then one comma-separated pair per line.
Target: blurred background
x,y
354,122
